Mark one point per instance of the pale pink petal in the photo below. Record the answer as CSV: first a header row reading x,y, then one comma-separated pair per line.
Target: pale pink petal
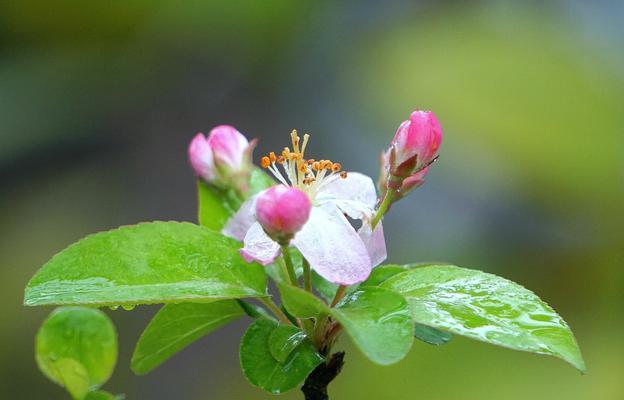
x,y
201,158
355,195
238,225
333,248
259,247
375,242
228,145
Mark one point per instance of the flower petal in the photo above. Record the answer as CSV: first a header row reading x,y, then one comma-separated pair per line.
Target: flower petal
x,y
259,247
375,242
355,195
333,248
238,225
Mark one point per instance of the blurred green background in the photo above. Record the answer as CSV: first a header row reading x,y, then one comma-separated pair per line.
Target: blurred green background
x,y
99,100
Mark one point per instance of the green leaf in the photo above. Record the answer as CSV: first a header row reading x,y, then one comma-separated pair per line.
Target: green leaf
x,y
70,374
263,370
383,272
283,340
215,206
377,320
254,310
486,307
259,180
431,335
326,289
157,262
76,347
102,395
175,326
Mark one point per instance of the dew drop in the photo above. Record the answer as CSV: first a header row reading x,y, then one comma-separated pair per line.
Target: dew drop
x,y
128,307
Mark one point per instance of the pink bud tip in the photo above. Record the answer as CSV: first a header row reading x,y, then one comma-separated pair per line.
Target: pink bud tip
x,y
228,145
282,211
417,140
201,158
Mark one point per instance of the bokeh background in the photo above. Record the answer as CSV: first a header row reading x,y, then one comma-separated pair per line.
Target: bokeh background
x,y
99,99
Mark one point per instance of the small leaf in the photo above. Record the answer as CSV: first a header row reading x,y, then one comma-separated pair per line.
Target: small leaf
x,y
102,395
263,370
175,326
283,340
326,289
485,307
214,209
259,180
215,206
431,335
72,375
157,262
254,310
377,320
76,347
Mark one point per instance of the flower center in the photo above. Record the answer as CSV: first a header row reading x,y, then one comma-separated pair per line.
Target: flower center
x,y
308,175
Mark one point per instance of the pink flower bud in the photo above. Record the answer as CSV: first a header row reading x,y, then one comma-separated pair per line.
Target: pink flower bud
x,y
225,154
413,148
201,158
228,146
415,144
282,211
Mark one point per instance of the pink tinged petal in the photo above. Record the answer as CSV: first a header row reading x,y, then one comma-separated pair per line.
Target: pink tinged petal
x,y
333,248
355,195
201,158
259,247
375,243
228,145
238,225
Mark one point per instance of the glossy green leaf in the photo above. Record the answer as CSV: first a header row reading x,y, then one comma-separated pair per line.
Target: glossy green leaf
x,y
76,347
175,326
102,395
283,340
383,272
431,335
157,262
486,307
377,320
263,370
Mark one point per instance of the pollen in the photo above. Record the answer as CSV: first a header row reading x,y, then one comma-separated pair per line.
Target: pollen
x,y
297,171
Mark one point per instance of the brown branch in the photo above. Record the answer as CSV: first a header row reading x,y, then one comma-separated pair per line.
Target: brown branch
x,y
315,385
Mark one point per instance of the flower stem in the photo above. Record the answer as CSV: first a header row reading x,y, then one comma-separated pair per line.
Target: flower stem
x,y
383,207
289,265
307,276
339,295
275,309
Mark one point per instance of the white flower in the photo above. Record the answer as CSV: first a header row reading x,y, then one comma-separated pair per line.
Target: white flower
x,y
334,249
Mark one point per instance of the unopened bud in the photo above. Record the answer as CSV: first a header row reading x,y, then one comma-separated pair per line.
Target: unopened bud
x,y
223,158
282,211
413,148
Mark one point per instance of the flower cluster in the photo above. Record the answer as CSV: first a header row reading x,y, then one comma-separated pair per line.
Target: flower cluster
x,y
309,207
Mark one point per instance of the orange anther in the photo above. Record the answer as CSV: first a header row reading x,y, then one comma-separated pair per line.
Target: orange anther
x,y
265,162
272,156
